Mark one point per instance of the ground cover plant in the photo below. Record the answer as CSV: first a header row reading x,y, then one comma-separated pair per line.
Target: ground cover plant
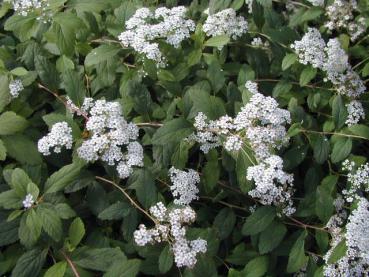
x,y
184,138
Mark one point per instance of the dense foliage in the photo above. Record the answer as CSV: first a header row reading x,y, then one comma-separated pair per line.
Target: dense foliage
x,y
184,138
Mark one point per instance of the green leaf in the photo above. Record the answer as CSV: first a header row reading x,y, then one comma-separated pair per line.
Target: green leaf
x,y
51,222
307,75
34,224
338,252
341,149
172,131
127,268
116,211
64,211
166,259
10,200
339,112
74,86
76,232
97,259
57,270
258,221
244,159
2,151
20,180
4,92
24,27
217,41
30,263
324,207
47,72
257,267
17,145
143,181
19,71
11,123
271,237
288,60
365,70
360,130
8,231
101,53
213,107
321,149
63,64
224,222
297,258
65,26
63,177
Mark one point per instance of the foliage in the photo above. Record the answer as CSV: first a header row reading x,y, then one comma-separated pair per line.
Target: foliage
x,y
80,218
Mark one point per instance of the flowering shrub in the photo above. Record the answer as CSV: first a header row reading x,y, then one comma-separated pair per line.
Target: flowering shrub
x,y
184,138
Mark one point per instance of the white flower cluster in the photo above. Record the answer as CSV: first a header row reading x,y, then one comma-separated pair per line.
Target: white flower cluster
x,y
145,27
317,3
355,112
340,15
355,263
171,227
109,133
184,185
357,178
260,125
225,22
265,176
15,87
28,201
41,7
330,58
310,48
258,42
59,136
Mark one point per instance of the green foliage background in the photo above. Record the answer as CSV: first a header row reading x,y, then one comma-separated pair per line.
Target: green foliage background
x,y
85,224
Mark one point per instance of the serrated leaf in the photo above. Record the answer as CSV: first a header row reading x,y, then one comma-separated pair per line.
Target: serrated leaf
x,y
341,149
19,71
20,180
11,123
271,237
217,41
224,222
297,258
307,75
74,86
257,267
63,177
338,252
259,220
30,263
339,112
57,270
17,145
51,222
34,224
165,259
172,131
76,232
101,53
360,130
2,151
321,149
116,211
127,268
288,60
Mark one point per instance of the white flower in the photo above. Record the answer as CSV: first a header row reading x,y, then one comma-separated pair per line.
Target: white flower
x,y
184,185
59,136
145,28
28,201
358,180
15,87
319,3
24,7
272,184
109,133
233,143
252,87
172,223
310,49
355,112
225,22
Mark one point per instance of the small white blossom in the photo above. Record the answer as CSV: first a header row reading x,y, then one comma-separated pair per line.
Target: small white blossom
x,y
109,132
273,186
318,3
257,42
355,112
310,49
358,180
184,185
233,143
225,22
15,87
145,28
252,87
172,223
60,136
28,201
41,7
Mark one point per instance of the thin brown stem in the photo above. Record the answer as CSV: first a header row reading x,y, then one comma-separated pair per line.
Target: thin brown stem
x,y
133,202
333,133
295,83
70,263
306,226
149,124
225,203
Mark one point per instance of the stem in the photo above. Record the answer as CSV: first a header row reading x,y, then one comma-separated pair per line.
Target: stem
x,y
149,124
133,202
225,203
333,133
299,223
295,83
69,261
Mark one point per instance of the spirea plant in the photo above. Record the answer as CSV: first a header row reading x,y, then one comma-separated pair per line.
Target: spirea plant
x,y
184,138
